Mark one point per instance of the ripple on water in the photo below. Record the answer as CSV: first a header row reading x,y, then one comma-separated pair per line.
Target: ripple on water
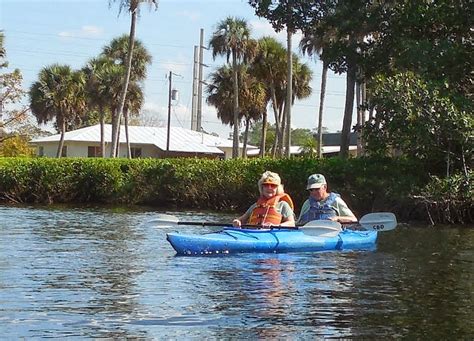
x,y
104,273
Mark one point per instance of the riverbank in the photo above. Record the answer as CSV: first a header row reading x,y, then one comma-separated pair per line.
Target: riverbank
x,y
399,185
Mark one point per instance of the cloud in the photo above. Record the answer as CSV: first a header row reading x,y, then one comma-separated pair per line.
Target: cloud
x,y
179,64
84,32
263,28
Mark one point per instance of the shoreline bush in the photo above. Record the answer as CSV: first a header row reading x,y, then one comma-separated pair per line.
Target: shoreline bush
x,y
399,185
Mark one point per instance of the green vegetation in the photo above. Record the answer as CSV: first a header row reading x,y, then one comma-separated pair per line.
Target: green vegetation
x,y
413,57
409,62
367,184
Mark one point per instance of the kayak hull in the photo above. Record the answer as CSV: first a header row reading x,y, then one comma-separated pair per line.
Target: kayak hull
x,y
235,240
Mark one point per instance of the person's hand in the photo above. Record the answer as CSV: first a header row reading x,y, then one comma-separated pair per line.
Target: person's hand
x,y
236,223
267,225
336,219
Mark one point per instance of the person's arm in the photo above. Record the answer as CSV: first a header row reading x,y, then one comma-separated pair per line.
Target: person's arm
x,y
345,214
288,216
237,222
289,221
304,209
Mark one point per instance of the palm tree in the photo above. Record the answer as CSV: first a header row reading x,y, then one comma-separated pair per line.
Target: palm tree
x,y
313,45
103,78
301,77
133,104
58,94
232,39
117,51
131,6
251,90
270,67
2,51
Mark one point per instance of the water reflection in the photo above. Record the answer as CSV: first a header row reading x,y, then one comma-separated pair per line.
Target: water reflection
x,y
103,273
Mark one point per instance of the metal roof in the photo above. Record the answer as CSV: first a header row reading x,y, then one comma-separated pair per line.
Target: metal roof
x,y
181,139
295,150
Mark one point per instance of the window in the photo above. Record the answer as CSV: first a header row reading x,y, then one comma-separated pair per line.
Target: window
x,y
40,151
136,152
64,151
93,151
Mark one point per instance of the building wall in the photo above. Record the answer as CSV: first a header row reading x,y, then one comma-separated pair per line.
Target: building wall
x,y
227,152
334,139
80,149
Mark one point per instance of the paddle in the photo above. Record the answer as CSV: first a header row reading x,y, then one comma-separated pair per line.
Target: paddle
x,y
324,228
381,221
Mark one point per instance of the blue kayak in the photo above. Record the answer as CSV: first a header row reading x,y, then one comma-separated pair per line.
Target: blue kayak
x,y
236,240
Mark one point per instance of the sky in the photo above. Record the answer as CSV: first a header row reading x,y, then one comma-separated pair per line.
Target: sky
x,y
39,33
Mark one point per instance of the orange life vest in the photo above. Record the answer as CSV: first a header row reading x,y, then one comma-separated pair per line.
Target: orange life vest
x,y
265,211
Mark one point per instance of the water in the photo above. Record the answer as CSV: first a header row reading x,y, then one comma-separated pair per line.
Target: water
x,y
109,273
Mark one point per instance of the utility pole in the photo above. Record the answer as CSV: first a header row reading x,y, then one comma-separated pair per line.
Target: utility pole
x,y
169,113
172,94
199,95
194,125
289,92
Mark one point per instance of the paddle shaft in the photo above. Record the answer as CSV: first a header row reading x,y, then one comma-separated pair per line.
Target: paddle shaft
x,y
383,221
204,223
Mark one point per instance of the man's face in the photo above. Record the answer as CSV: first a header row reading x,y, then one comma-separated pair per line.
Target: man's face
x,y
318,193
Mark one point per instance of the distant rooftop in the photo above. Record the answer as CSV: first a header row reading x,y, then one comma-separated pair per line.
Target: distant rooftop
x,y
181,139
334,139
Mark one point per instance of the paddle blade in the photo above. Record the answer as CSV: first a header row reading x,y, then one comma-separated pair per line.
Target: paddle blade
x,y
322,228
163,220
381,221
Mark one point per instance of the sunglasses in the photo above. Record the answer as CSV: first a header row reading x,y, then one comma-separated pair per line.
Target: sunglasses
x,y
314,189
270,185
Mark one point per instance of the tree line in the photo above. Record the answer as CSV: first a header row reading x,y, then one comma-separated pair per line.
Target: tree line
x,y
408,66
408,63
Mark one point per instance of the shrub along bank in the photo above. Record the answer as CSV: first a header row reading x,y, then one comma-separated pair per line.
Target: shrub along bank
x,y
400,185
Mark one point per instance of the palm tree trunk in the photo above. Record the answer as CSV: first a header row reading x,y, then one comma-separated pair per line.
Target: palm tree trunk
x,y
363,113
235,145
117,150
263,139
348,109
61,140
246,135
281,132
116,120
277,121
125,117
359,118
321,109
289,93
102,134
282,142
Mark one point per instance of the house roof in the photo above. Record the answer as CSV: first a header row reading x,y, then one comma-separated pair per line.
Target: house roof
x,y
295,150
181,139
334,139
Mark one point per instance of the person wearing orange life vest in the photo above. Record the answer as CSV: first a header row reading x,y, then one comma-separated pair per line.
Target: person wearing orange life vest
x,y
273,207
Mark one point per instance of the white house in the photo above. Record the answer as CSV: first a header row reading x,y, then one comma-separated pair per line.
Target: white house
x,y
297,150
144,142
